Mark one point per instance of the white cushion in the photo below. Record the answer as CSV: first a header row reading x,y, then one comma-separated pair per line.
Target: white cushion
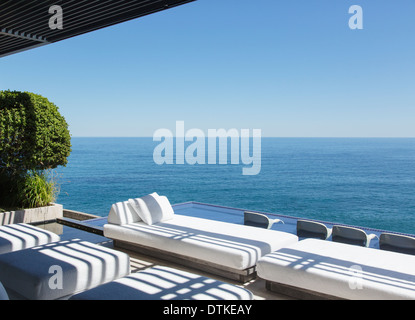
x,y
167,209
164,283
20,236
3,293
341,270
232,245
122,213
152,208
60,269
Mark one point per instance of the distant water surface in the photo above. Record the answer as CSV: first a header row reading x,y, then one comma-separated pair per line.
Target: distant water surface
x,y
362,182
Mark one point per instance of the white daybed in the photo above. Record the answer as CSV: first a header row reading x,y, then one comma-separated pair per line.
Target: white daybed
x,y
324,269
80,270
164,283
222,248
60,269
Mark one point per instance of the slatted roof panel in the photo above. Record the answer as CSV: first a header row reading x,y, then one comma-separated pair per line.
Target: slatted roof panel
x,y
24,24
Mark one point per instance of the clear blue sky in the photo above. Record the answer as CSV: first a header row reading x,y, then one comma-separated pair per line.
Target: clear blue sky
x,y
291,68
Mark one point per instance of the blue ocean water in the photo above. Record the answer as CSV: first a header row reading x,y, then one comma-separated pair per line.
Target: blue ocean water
x,y
355,181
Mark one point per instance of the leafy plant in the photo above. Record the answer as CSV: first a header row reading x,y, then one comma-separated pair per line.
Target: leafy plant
x,y
37,189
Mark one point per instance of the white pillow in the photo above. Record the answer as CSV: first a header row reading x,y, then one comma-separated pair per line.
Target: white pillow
x,y
121,213
152,208
168,212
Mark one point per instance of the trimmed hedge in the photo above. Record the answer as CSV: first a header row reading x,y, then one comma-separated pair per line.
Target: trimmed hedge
x,y
33,134
34,137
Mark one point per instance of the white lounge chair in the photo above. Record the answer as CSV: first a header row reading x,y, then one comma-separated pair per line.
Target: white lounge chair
x,y
20,236
324,269
226,249
164,283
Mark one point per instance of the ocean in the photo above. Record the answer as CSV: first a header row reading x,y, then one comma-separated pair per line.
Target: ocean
x,y
368,182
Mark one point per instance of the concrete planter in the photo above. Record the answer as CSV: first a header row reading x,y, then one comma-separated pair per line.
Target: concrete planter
x,y
51,212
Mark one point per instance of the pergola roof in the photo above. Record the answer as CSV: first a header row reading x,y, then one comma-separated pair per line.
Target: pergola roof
x,y
24,24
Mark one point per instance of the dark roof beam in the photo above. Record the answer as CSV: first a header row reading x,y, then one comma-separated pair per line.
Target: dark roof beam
x,y
37,20
94,10
89,18
21,11
22,35
24,24
13,42
73,15
16,43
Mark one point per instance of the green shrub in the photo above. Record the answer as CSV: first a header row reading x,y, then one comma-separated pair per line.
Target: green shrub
x,y
35,189
34,137
33,134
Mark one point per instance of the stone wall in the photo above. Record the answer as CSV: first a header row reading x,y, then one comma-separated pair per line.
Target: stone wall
x,y
52,212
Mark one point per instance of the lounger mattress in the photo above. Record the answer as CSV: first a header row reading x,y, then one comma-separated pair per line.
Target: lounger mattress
x,y
341,270
227,244
164,283
20,236
60,269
